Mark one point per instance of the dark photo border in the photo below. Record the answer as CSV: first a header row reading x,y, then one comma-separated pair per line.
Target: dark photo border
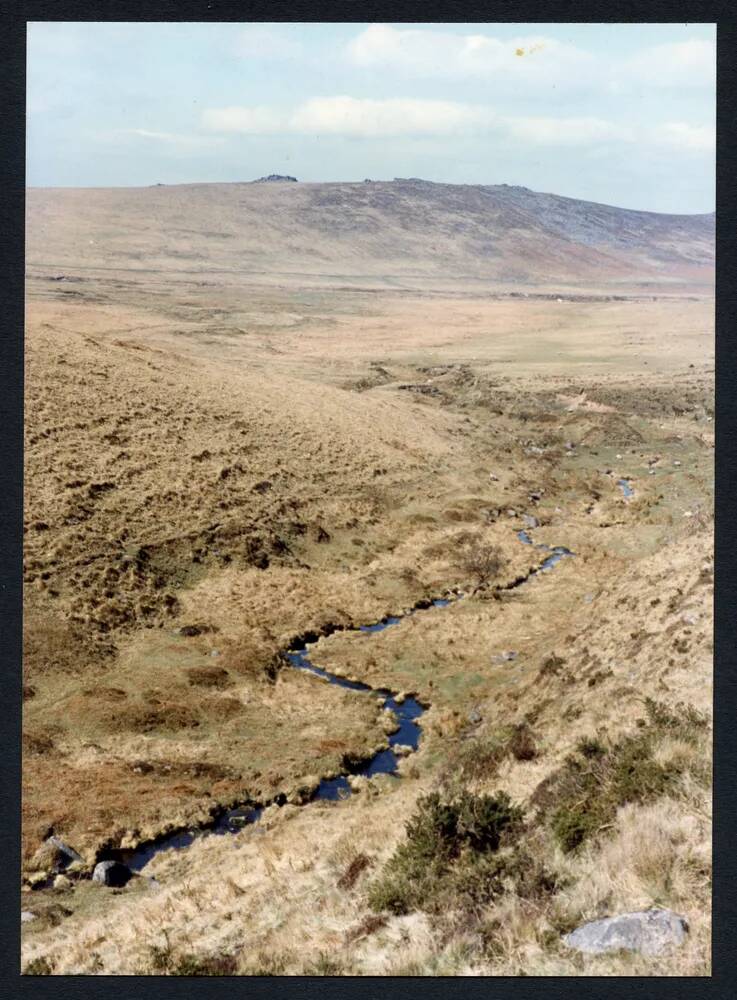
x,y
723,982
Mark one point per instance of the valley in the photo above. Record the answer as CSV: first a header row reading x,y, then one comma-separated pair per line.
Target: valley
x,y
261,418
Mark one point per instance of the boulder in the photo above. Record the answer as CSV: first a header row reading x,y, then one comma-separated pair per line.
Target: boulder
x,y
530,521
26,916
112,873
62,882
53,855
648,932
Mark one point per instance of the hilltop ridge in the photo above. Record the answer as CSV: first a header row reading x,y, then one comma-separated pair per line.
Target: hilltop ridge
x,y
409,230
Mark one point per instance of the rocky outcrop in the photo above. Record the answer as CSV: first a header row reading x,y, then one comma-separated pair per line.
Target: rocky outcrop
x,y
648,932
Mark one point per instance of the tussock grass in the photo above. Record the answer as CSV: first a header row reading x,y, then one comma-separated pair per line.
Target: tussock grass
x,y
581,798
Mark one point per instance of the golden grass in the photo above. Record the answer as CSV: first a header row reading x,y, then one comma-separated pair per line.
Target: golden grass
x,y
257,498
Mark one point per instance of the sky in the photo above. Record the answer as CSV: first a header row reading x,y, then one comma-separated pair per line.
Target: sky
x,y
622,114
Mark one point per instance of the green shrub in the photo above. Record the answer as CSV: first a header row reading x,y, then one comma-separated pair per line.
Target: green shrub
x,y
442,839
476,882
573,825
583,796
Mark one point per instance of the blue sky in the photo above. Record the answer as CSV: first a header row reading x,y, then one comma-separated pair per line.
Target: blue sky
x,y
617,113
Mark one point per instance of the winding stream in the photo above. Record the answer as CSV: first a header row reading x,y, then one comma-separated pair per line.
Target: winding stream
x,y
407,712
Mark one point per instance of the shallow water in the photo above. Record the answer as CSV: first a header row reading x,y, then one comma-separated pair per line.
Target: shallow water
x,y
385,761
625,487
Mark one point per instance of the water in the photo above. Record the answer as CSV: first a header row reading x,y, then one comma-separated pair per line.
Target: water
x,y
625,487
557,552
385,761
406,712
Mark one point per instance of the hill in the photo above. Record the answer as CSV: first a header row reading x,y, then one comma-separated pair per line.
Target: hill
x,y
408,230
263,414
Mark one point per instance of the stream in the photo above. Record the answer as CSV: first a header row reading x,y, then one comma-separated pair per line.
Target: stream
x,y
407,712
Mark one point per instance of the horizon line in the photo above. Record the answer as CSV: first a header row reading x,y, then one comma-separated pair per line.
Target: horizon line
x,y
394,180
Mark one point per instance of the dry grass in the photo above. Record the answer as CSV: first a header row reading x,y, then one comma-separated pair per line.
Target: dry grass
x,y
194,462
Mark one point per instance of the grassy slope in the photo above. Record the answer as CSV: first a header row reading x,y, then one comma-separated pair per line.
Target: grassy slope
x,y
246,460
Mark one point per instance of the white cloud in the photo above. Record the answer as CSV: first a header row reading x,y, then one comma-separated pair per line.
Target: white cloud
x,y
367,118
694,138
256,41
531,64
353,117
411,118
568,131
677,65
169,138
527,61
253,121
395,116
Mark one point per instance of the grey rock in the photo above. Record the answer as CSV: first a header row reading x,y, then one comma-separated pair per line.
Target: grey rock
x,y
505,657
474,716
112,873
26,916
530,521
63,848
648,932
276,177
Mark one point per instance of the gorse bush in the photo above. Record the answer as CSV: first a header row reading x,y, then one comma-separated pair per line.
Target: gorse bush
x,y
582,797
443,839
